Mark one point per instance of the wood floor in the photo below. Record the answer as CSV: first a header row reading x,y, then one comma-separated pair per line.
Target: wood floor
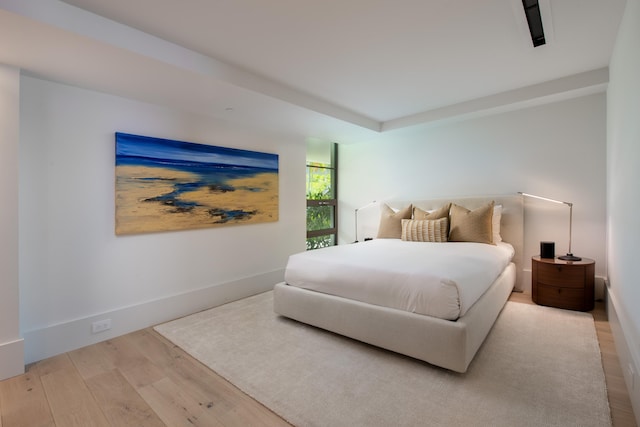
x,y
141,379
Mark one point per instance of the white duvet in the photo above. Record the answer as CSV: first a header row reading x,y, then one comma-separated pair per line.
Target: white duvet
x,y
436,279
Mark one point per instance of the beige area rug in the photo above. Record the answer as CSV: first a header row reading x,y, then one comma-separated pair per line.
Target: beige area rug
x,y
538,367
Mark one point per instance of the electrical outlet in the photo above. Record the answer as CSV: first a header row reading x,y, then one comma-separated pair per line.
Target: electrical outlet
x,y
100,326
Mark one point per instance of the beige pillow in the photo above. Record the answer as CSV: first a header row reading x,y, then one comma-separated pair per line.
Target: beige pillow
x,y
471,226
495,223
425,230
391,222
442,212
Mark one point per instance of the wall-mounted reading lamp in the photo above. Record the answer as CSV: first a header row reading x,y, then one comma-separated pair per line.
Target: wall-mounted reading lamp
x,y
569,256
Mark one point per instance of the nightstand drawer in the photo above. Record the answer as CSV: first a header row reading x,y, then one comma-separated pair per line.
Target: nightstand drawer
x,y
563,284
561,275
569,298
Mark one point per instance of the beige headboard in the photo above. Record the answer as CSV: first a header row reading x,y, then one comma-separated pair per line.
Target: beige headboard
x,y
511,224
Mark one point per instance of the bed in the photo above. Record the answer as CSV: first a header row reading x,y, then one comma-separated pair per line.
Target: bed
x,y
439,334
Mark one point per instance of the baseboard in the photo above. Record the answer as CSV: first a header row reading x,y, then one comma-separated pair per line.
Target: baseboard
x,y
11,359
600,286
56,339
526,281
627,342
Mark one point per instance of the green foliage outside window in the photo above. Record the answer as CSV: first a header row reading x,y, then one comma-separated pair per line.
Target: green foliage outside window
x,y
319,187
319,217
319,182
320,242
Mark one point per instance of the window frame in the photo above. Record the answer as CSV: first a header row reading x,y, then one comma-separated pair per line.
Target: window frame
x,y
333,202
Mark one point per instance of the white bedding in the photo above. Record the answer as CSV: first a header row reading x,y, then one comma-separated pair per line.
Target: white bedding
x,y
436,279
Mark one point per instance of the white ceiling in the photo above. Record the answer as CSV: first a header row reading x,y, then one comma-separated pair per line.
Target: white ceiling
x,y
347,70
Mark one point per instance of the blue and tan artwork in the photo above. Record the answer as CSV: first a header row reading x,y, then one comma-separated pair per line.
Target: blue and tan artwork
x,y
164,185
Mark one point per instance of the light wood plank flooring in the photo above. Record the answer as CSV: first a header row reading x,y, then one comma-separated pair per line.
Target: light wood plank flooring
x,y
141,379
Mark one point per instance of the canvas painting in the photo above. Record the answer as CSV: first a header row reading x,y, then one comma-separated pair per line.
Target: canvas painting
x,y
164,185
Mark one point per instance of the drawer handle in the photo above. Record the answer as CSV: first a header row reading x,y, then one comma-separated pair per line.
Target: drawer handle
x,y
559,268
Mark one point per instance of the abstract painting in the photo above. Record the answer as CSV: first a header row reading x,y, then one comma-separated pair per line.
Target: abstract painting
x,y
164,185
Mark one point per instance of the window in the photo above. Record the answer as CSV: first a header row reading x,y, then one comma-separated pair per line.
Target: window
x,y
322,225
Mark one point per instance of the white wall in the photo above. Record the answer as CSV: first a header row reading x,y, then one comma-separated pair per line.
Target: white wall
x,y
74,270
556,150
11,345
623,204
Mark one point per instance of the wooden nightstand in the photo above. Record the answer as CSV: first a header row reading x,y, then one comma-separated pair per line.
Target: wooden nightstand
x,y
563,284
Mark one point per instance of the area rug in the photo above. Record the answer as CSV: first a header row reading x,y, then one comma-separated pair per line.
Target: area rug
x,y
539,366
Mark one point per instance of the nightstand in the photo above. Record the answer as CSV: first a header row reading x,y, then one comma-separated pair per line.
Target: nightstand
x,y
563,284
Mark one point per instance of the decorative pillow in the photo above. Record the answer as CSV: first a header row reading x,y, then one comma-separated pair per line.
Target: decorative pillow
x,y
391,221
495,223
471,226
442,212
425,230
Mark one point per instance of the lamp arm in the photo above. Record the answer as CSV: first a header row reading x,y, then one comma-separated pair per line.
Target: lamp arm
x,y
569,256
570,225
356,216
356,226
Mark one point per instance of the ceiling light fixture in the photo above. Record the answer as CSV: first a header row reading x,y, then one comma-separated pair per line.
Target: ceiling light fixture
x,y
534,19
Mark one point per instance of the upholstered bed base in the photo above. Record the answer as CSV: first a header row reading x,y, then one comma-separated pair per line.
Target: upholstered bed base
x,y
448,344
